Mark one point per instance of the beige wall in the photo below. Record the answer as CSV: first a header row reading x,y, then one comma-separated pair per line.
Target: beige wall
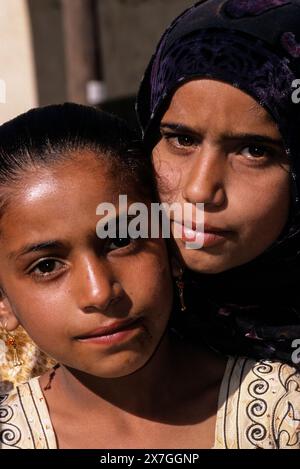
x,y
16,59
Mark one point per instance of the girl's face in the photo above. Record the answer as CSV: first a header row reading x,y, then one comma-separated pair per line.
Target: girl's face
x,y
100,306
220,147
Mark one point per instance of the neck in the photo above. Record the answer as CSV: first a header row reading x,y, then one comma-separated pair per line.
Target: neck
x,y
138,393
174,378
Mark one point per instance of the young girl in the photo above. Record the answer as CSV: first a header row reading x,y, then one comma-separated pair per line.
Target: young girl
x,y
219,110
101,308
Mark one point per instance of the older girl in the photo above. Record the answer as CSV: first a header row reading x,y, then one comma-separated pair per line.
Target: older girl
x,y
219,111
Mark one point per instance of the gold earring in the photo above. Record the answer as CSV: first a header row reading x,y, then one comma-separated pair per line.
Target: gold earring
x,y
11,343
180,286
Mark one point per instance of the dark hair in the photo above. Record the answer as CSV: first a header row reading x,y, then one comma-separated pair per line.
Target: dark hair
x,y
48,135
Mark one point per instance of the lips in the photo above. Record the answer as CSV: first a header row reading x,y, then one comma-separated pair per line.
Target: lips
x,y
111,329
207,228
198,237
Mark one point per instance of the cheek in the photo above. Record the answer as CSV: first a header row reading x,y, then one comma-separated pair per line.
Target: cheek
x,y
264,205
42,312
150,285
169,176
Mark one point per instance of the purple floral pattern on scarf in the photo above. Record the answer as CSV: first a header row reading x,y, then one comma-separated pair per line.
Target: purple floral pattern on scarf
x,y
242,8
288,40
223,56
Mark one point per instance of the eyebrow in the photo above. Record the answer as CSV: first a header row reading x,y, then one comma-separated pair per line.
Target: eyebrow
x,y
36,247
225,137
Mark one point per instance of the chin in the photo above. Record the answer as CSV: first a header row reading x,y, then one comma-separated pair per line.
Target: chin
x,y
205,263
119,370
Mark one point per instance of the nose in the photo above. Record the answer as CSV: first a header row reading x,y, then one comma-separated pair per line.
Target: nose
x,y
96,286
205,182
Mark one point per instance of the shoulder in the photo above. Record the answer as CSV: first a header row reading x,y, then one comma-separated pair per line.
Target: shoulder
x,y
24,418
264,398
12,419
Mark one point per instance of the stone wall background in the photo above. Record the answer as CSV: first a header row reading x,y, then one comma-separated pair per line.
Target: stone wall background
x,y
51,51
130,30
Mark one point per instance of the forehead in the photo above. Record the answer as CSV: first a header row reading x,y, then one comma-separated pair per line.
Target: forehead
x,y
219,104
60,198
70,176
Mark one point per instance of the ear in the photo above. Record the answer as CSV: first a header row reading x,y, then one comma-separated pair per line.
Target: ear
x,y
8,319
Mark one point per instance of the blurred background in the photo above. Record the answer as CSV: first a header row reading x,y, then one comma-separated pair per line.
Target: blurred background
x,y
86,51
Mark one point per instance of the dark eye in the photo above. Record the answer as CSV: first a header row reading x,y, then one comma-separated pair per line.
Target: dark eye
x,y
179,140
118,243
185,140
46,267
255,151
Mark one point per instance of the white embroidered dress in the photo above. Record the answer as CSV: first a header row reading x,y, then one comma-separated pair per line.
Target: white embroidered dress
x,y
259,407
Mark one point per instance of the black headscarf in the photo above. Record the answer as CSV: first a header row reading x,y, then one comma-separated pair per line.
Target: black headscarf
x,y
253,45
